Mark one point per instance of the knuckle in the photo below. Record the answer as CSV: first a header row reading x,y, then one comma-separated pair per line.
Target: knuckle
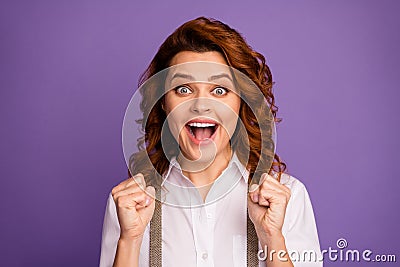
x,y
121,201
130,183
114,190
142,195
116,195
263,191
265,184
123,182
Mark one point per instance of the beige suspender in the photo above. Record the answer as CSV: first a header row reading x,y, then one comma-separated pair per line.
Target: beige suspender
x,y
252,244
155,234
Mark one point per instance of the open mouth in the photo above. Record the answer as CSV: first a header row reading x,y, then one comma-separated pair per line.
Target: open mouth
x,y
201,130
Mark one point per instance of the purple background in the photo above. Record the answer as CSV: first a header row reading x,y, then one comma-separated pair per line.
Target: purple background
x,y
69,68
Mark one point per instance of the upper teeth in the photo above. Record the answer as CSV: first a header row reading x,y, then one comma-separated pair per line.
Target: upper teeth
x,y
199,124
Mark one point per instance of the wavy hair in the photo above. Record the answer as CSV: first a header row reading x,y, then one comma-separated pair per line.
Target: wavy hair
x,y
205,35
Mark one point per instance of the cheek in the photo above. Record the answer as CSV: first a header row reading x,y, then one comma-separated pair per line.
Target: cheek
x,y
168,103
175,114
234,105
229,115
234,101
174,104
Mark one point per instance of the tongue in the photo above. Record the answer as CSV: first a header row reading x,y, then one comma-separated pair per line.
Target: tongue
x,y
202,133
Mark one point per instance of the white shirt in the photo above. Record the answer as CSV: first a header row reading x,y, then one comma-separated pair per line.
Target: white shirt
x,y
215,234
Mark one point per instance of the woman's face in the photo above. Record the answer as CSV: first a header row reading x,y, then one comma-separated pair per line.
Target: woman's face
x,y
202,116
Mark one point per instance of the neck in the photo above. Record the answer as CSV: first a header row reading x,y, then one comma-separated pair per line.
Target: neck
x,y
207,175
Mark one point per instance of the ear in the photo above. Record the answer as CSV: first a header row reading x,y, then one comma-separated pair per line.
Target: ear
x,y
162,104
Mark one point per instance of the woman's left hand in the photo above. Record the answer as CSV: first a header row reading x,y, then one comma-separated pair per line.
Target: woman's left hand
x,y
267,204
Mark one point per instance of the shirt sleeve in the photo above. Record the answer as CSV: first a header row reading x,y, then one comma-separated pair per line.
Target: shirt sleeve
x,y
110,234
300,231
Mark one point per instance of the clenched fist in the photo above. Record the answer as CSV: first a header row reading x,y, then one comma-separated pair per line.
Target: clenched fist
x,y
267,205
135,206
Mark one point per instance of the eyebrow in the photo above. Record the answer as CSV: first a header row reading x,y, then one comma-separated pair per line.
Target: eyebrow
x,y
219,76
190,77
182,75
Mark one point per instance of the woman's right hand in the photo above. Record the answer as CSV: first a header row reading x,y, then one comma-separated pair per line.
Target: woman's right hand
x,y
135,207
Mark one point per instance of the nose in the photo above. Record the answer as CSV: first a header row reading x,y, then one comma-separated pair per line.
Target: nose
x,y
201,105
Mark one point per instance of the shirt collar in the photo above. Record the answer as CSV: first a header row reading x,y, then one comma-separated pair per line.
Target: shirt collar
x,y
233,163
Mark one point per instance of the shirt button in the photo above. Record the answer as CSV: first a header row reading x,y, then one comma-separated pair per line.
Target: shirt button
x,y
209,215
205,255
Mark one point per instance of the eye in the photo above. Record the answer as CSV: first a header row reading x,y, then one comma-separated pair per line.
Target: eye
x,y
183,90
220,91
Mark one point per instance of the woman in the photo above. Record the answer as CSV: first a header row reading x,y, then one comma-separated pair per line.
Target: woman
x,y
215,137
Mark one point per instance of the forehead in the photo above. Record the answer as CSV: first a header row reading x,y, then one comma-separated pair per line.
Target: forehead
x,y
189,67
189,56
